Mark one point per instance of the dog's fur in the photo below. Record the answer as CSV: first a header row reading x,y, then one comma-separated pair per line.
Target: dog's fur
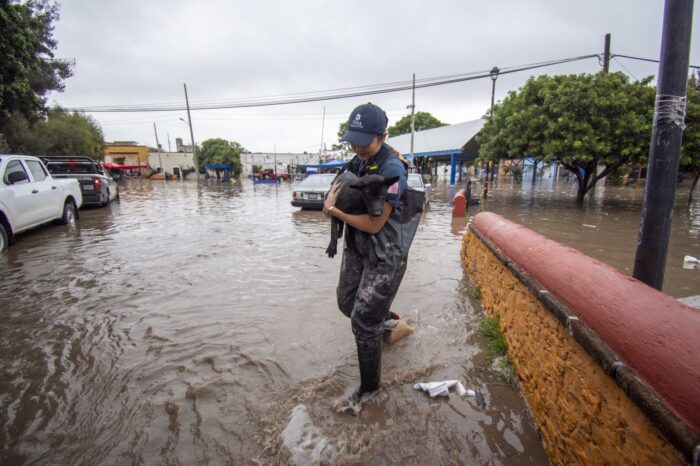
x,y
365,195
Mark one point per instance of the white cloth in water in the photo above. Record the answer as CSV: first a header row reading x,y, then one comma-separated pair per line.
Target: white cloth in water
x,y
442,388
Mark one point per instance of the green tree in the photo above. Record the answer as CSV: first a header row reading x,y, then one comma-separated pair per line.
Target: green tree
x,y
218,150
690,148
423,121
28,68
580,121
342,146
59,133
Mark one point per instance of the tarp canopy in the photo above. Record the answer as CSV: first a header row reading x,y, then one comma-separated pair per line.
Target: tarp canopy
x,y
329,164
218,165
117,166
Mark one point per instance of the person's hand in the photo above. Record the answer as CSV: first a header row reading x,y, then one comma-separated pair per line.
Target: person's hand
x,y
331,198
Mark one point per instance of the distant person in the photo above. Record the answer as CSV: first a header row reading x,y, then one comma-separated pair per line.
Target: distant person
x,y
365,291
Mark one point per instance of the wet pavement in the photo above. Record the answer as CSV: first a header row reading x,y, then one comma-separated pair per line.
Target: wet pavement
x,y
197,324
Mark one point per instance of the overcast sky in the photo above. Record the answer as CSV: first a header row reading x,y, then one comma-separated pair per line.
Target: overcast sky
x,y
131,52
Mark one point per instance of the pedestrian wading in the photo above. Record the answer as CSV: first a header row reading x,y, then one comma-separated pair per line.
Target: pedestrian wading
x,y
367,288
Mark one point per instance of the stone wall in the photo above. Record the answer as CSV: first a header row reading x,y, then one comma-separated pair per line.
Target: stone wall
x,y
591,405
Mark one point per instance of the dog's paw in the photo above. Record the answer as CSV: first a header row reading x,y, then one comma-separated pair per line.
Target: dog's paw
x,y
331,251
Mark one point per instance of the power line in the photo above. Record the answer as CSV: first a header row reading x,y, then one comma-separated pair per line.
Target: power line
x,y
648,59
624,67
356,92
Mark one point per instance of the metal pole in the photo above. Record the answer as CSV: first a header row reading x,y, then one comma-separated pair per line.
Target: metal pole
x,y
189,122
323,124
664,152
413,111
160,161
494,76
606,54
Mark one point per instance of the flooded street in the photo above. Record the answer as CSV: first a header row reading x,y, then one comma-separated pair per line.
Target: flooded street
x,y
198,324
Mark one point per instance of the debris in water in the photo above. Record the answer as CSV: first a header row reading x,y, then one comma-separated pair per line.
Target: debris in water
x,y
590,226
442,389
395,330
690,262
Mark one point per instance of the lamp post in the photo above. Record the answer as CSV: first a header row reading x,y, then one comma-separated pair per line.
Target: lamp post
x,y
494,76
194,148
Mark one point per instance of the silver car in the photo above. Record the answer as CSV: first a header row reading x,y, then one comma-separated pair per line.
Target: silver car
x,y
311,192
416,182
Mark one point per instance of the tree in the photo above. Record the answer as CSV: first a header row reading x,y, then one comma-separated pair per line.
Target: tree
x,y
580,121
217,150
29,70
423,121
59,133
690,148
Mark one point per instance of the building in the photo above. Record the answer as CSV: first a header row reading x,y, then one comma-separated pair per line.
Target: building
x,y
172,162
180,147
126,153
277,162
453,144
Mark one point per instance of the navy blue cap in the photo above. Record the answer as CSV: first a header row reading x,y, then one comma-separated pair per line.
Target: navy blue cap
x,y
365,123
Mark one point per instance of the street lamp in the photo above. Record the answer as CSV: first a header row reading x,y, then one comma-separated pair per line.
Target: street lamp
x,y
194,148
494,76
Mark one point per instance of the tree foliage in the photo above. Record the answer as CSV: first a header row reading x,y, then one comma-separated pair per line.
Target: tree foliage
x,y
218,150
581,121
59,133
690,148
28,68
423,121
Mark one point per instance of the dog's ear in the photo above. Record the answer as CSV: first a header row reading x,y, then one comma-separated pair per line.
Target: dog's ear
x,y
356,184
390,180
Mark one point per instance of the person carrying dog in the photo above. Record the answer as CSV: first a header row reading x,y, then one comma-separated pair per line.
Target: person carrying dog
x,y
367,288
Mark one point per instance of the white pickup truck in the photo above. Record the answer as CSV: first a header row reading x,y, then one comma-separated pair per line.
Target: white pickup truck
x,y
30,197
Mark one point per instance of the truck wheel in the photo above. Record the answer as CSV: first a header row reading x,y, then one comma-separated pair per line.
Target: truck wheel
x,y
68,217
4,242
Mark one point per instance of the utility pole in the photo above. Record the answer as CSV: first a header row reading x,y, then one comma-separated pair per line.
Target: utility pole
x,y
189,122
413,111
664,152
160,161
323,124
494,76
169,148
606,54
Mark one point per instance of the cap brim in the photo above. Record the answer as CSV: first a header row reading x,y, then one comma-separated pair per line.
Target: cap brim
x,y
357,138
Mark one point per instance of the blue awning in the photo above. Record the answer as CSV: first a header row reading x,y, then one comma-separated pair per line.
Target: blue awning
x,y
329,164
219,165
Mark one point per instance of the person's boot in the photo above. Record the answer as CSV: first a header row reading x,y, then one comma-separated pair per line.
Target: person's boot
x,y
369,356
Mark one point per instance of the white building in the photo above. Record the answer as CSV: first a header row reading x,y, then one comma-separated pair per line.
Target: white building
x,y
171,160
272,161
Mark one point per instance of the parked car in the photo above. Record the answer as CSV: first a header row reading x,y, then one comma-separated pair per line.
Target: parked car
x,y
416,182
311,192
98,187
30,196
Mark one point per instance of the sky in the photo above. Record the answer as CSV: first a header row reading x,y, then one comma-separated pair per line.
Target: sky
x,y
135,53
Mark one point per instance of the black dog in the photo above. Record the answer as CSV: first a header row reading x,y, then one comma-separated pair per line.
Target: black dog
x,y
365,195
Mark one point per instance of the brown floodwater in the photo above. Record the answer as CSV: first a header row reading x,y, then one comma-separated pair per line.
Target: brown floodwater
x,y
198,324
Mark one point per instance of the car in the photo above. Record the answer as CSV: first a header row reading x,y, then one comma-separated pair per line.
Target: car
x,y
97,186
30,196
311,192
415,181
